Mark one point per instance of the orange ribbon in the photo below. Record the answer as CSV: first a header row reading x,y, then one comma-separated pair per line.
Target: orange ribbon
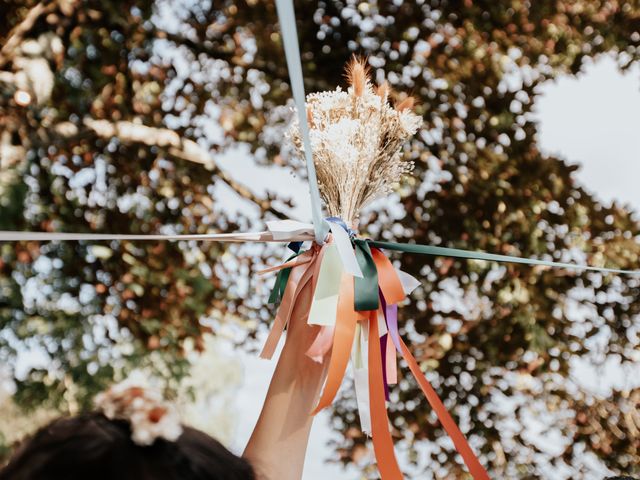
x,y
381,436
473,464
301,273
343,336
321,344
388,280
392,289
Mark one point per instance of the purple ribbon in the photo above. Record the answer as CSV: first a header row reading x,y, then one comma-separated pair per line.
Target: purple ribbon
x,y
383,349
391,317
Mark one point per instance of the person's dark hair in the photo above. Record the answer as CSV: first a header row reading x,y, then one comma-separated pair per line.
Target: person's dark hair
x,y
90,446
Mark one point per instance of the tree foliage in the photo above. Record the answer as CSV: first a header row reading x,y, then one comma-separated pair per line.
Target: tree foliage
x,y
130,104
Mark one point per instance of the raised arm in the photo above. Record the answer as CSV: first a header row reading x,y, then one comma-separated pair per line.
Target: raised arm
x,y
278,443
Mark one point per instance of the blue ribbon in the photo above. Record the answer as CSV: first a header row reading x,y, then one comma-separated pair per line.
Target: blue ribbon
x,y
287,19
342,223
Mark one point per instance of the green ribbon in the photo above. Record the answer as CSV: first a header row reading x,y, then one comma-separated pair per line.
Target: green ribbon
x,y
489,257
366,287
281,282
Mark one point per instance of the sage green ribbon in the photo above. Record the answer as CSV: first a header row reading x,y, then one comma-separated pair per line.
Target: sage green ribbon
x,y
365,287
490,257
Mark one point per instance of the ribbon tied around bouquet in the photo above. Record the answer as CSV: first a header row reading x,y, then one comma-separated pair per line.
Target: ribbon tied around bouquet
x,y
355,299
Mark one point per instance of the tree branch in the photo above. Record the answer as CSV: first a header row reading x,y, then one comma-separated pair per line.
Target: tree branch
x,y
16,35
176,146
10,155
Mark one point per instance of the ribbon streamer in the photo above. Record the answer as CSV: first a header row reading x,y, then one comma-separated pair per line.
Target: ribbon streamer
x,y
490,257
367,286
6,236
381,436
327,292
277,231
343,243
367,305
302,235
287,19
475,468
301,273
343,337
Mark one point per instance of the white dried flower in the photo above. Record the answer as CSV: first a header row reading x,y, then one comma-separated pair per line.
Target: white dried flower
x,y
149,415
356,139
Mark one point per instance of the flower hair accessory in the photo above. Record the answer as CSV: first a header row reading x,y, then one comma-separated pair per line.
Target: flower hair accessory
x,y
149,415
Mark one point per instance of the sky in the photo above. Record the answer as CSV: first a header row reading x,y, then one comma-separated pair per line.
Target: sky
x,y
592,119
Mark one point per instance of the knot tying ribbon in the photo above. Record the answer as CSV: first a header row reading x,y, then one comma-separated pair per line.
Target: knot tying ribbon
x,y
358,316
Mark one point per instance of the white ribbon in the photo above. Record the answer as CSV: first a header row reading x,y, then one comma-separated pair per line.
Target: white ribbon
x,y
409,282
360,362
283,230
278,231
324,307
345,249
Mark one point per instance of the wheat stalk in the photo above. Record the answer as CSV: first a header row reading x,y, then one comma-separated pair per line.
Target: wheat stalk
x,y
357,138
